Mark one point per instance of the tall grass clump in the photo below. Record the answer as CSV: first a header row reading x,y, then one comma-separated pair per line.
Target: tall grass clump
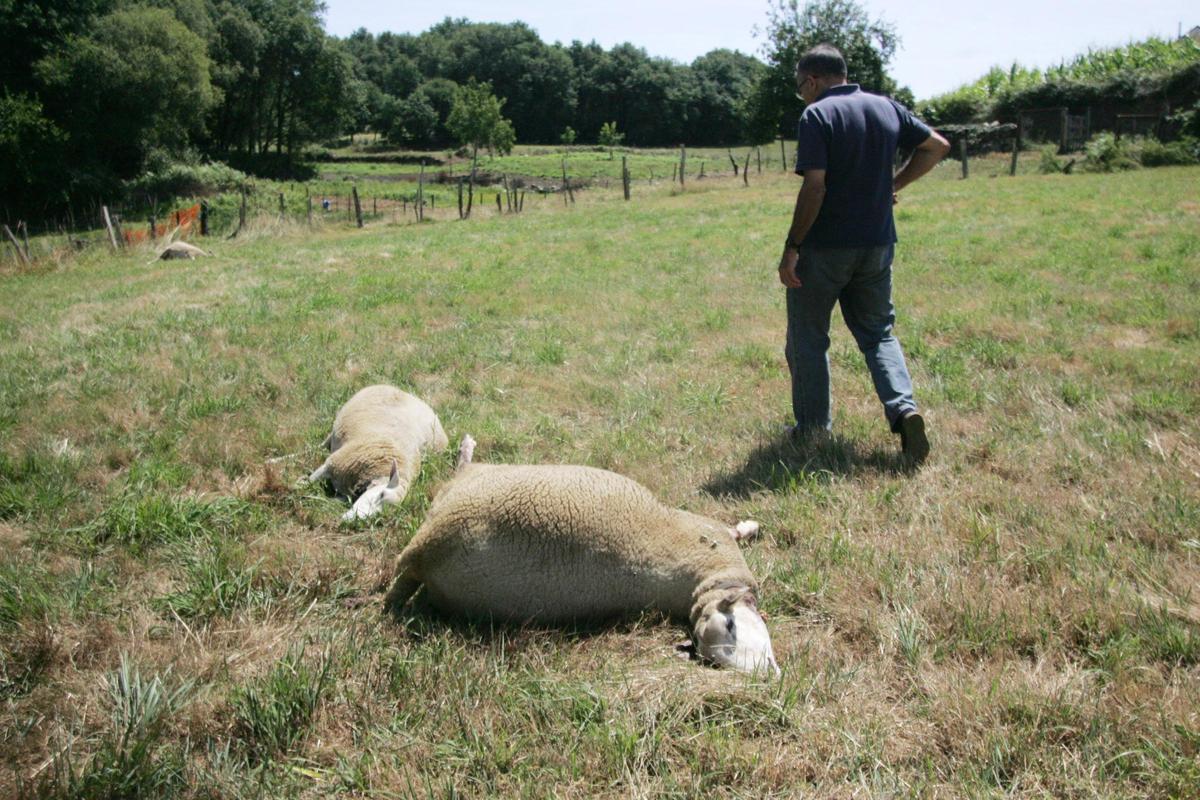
x,y
275,714
138,521
130,758
35,483
217,582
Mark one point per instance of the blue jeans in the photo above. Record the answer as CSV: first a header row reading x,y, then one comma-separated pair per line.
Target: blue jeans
x,y
860,278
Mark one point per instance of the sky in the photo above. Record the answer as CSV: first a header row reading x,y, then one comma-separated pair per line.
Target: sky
x,y
942,45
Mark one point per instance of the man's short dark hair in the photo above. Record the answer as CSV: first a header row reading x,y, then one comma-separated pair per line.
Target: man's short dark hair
x,y
822,61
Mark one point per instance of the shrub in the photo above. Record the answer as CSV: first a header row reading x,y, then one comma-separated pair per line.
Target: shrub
x,y
1153,153
1049,163
1105,153
165,178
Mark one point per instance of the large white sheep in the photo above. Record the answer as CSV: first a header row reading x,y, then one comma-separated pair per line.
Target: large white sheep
x,y
376,445
558,543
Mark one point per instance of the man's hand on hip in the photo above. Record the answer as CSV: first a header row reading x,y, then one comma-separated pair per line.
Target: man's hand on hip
x,y
787,268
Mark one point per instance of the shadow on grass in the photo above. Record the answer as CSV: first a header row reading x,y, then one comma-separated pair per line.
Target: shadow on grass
x,y
780,464
420,618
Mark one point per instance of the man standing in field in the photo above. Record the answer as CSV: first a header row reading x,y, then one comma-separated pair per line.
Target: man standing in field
x,y
840,245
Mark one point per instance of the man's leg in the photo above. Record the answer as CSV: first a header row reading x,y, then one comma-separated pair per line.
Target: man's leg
x,y
807,349
869,313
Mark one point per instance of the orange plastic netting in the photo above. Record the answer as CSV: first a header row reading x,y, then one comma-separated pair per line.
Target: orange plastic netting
x,y
182,218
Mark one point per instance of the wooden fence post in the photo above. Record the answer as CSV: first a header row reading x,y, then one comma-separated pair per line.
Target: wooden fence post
x,y
758,157
746,170
962,153
116,224
783,153
732,161
421,193
625,176
153,225
282,207
204,218
570,194
682,163
471,184
1062,133
308,207
357,206
1012,168
460,204
241,212
499,205
108,226
24,256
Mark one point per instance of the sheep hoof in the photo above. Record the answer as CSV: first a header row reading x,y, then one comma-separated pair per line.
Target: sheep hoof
x,y
745,529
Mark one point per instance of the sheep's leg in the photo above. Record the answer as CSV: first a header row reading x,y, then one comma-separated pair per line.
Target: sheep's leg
x,y
466,451
318,475
745,529
403,588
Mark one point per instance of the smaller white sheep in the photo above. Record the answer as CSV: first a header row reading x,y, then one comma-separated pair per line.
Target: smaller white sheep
x,y
552,543
376,445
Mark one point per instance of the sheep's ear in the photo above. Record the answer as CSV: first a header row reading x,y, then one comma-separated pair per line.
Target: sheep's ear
x,y
394,478
726,605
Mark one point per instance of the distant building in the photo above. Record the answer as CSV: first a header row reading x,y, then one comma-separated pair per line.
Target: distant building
x,y
1195,34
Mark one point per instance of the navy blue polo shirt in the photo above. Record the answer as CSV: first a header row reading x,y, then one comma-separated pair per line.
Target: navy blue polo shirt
x,y
853,136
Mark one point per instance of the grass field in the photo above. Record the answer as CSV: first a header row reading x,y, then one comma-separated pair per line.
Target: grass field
x,y
1018,619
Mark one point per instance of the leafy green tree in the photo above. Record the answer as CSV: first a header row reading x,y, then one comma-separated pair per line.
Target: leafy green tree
x,y
30,157
534,79
724,81
476,120
567,137
29,31
415,123
139,80
441,94
867,44
609,137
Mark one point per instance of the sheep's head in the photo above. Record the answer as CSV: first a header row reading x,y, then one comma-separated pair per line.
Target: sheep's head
x,y
376,496
731,633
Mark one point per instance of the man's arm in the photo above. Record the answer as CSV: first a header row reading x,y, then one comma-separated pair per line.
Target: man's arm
x,y
924,158
808,205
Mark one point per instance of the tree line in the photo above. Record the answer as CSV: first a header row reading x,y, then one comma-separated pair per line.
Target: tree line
x,y
411,81
98,92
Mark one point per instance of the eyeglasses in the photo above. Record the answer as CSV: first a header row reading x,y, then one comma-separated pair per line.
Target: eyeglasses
x,y
800,85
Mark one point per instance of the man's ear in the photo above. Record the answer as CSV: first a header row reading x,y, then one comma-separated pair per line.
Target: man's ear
x,y
394,478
